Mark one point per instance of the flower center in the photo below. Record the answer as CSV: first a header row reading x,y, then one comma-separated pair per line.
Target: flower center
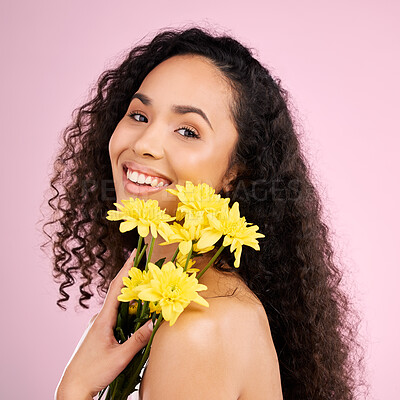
x,y
174,291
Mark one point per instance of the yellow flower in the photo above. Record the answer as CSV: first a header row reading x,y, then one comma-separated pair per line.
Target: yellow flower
x,y
174,289
236,230
196,201
133,308
181,262
185,235
133,285
155,307
138,280
177,233
147,277
145,215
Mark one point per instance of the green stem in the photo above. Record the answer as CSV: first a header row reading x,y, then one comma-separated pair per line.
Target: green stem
x,y
200,274
142,253
143,312
150,253
139,247
146,303
175,254
188,258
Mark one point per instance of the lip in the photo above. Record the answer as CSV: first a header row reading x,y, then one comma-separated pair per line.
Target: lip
x,y
137,189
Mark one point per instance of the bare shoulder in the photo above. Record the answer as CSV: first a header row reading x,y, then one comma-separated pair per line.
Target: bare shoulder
x,y
221,352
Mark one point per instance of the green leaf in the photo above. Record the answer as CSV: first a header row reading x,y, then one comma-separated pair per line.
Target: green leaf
x,y
119,321
120,333
160,262
124,311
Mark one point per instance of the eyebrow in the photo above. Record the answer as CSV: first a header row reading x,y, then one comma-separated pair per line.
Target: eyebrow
x,y
176,108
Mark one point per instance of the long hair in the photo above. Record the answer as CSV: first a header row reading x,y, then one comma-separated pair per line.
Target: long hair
x,y
294,275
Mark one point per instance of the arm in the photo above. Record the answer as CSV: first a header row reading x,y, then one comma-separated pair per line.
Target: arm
x,y
98,358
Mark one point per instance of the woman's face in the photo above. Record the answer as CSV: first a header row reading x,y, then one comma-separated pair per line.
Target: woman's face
x,y
178,127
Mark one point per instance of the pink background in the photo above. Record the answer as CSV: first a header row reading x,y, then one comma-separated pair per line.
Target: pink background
x,y
340,61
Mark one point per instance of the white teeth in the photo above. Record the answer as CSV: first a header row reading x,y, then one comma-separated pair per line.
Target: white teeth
x,y
137,177
132,176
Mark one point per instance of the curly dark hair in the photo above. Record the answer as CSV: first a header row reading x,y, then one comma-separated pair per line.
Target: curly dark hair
x,y
295,275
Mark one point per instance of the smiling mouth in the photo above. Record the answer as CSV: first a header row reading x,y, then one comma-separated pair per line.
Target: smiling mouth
x,y
141,179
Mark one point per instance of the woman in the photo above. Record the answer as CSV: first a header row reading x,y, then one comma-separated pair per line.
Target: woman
x,y
192,106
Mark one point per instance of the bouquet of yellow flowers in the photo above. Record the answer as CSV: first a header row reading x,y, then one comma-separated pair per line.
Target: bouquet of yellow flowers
x,y
162,290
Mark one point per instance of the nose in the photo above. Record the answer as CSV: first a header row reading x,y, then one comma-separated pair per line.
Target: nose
x,y
149,143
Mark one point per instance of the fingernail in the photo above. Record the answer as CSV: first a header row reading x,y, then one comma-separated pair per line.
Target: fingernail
x,y
150,325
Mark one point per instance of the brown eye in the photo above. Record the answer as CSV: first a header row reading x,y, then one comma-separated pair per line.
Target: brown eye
x,y
138,117
187,132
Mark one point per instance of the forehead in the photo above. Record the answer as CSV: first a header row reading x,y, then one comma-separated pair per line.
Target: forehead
x,y
189,80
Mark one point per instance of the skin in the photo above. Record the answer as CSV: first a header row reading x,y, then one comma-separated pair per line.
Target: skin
x,y
227,349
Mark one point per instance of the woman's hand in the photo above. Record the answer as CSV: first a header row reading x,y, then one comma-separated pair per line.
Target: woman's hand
x,y
99,358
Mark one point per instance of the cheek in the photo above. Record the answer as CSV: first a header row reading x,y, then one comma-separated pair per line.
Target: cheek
x,y
115,144
207,165
111,145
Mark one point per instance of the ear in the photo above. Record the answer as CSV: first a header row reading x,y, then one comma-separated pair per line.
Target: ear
x,y
230,175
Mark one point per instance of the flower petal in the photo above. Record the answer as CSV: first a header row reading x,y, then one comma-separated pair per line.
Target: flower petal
x,y
143,230
238,253
234,211
127,226
127,281
177,307
227,241
201,287
200,300
173,318
128,296
184,247
153,230
209,237
149,295
155,271
167,312
168,267
115,215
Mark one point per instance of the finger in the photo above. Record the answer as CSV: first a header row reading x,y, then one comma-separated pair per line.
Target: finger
x,y
126,267
136,342
111,303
